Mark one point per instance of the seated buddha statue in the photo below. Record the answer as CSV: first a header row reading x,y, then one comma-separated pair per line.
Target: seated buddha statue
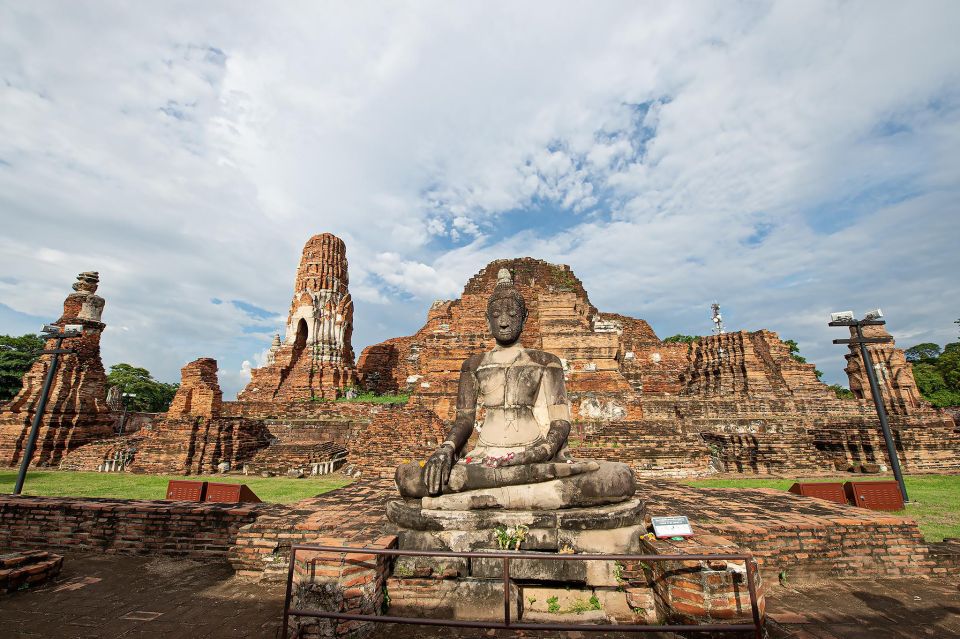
x,y
521,460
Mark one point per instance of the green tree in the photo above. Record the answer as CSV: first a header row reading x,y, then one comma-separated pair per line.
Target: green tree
x,y
681,339
152,396
928,379
944,398
948,365
17,355
938,378
842,391
927,351
795,354
795,351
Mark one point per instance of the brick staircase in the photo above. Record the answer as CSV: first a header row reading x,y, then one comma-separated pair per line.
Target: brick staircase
x,y
315,444
103,455
279,458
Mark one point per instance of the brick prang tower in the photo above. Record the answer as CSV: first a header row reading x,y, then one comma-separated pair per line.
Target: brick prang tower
x,y
315,358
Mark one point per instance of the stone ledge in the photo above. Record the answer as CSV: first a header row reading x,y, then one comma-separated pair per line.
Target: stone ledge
x,y
409,515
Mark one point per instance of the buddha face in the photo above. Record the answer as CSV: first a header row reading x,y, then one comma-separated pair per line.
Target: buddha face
x,y
505,317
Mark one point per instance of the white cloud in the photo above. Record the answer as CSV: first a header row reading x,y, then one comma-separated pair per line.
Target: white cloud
x,y
188,151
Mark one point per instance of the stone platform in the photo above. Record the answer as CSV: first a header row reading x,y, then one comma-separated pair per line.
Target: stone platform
x,y
548,589
806,538
610,529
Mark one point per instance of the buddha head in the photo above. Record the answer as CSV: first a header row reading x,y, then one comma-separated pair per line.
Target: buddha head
x,y
506,310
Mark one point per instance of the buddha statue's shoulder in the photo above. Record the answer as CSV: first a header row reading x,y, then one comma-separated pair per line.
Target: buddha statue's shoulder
x,y
542,357
526,355
472,363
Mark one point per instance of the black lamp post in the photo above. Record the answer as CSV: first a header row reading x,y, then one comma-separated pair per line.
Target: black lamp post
x,y
50,331
872,319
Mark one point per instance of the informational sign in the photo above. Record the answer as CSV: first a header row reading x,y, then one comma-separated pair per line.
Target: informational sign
x,y
664,527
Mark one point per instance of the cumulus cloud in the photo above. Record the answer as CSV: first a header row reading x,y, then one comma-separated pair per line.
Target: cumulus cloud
x,y
784,158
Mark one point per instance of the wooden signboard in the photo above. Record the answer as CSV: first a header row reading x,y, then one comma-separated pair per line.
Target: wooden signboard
x,y
230,493
179,490
875,495
831,491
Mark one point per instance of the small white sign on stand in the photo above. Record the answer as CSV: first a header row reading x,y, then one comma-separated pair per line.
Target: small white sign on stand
x,y
664,527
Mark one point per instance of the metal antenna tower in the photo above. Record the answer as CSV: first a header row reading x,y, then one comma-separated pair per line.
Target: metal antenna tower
x,y
717,319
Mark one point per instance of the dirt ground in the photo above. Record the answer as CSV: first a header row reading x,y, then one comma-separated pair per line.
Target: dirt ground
x,y
113,596
854,609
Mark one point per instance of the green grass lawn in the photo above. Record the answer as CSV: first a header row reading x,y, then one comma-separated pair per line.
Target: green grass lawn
x,y
52,483
934,499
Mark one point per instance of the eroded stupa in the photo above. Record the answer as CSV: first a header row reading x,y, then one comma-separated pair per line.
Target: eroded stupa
x,y
315,358
76,412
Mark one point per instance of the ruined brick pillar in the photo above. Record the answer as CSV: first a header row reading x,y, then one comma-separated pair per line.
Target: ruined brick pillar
x,y
199,392
315,358
76,411
894,375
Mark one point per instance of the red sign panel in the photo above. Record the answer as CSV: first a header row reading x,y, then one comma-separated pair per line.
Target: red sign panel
x,y
831,491
230,493
180,490
875,495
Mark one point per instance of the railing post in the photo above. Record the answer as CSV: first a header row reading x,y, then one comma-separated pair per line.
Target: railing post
x,y
506,591
754,603
286,600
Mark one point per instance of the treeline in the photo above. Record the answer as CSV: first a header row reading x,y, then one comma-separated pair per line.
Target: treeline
x,y
18,353
937,372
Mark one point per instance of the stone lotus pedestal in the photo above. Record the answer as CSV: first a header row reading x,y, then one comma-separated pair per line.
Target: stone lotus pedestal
x,y
543,590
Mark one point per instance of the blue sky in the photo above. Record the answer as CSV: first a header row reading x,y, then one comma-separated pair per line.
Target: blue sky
x,y
785,159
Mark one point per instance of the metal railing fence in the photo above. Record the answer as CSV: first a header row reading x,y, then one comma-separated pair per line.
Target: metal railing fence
x,y
756,626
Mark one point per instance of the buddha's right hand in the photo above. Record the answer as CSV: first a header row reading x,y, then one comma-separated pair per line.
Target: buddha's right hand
x,y
436,472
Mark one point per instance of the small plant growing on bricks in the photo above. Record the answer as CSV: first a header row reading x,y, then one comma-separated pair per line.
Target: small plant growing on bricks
x,y
510,538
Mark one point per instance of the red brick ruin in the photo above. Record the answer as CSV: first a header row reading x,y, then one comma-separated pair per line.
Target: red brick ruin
x,y
734,402
76,412
199,392
315,359
894,375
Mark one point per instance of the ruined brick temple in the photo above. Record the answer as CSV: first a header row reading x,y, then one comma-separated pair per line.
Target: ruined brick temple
x,y
733,402
76,411
315,359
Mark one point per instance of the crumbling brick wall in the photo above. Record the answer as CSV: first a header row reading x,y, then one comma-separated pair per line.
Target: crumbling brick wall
x,y
199,392
203,531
